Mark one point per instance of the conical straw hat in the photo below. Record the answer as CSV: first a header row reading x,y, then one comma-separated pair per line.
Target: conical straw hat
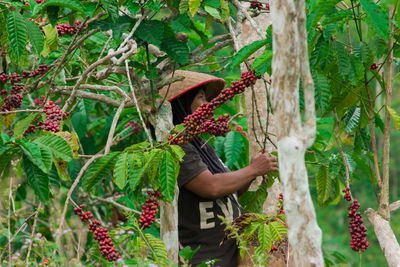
x,y
192,80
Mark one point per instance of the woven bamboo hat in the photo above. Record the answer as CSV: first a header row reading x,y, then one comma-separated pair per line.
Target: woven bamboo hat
x,y
192,80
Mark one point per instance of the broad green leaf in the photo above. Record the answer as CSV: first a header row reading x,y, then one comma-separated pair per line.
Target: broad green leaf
x,y
47,157
263,62
224,10
396,118
245,52
17,33
138,147
176,152
62,169
52,14
319,10
51,39
361,50
253,201
352,119
278,230
376,18
6,153
111,6
321,50
71,4
183,6
233,148
178,51
151,168
151,31
136,164
212,11
264,237
38,180
32,152
322,91
121,170
194,6
21,126
98,170
72,140
168,175
133,7
324,184
35,36
57,145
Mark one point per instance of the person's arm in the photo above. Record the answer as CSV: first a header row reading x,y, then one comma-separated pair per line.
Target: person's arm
x,y
208,185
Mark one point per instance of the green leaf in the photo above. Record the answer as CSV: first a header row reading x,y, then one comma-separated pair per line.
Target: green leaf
x,y
253,201
376,18
263,62
136,164
151,31
224,10
183,6
321,50
362,51
17,33
52,14
35,36
194,6
133,7
344,60
6,153
111,6
57,145
23,125
32,152
245,52
278,230
212,11
352,119
264,237
121,170
168,175
47,157
318,11
51,39
176,50
98,170
71,4
322,91
324,184
37,179
176,152
233,148
396,118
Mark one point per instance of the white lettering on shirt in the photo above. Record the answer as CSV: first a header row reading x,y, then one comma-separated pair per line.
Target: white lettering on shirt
x,y
204,215
226,209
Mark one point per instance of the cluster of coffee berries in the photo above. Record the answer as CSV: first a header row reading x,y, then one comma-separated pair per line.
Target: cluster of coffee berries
x,y
256,5
15,77
374,66
84,216
12,101
40,1
357,230
239,129
46,261
136,127
67,29
149,210
106,246
240,223
3,51
193,122
53,117
280,204
39,100
217,127
347,195
30,129
41,70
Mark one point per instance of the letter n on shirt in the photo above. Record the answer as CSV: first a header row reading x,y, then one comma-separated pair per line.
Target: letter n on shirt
x,y
206,215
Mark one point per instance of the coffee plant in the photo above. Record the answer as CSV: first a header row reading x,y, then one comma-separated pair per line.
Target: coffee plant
x,y
82,122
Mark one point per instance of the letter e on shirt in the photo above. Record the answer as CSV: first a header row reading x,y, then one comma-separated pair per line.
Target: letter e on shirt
x,y
206,215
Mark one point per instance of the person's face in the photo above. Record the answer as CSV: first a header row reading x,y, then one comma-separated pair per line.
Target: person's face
x,y
198,100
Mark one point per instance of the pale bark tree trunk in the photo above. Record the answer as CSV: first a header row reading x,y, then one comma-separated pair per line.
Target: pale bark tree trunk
x,y
381,220
162,122
290,59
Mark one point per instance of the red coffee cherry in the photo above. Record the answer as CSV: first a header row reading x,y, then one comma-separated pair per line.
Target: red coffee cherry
x,y
149,210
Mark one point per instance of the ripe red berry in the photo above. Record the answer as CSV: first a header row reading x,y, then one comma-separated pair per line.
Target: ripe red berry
x,y
149,210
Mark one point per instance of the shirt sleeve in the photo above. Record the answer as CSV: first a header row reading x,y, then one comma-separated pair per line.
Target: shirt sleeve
x,y
191,166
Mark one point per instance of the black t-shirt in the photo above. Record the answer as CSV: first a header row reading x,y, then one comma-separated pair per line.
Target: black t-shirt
x,y
198,222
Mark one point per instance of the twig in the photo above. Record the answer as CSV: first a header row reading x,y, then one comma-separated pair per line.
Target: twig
x,y
137,105
134,29
110,200
341,149
10,196
113,125
32,233
394,206
21,111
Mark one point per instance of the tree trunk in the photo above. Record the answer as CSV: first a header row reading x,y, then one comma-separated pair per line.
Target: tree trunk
x,y
290,58
162,122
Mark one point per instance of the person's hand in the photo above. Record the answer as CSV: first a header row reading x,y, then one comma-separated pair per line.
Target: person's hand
x,y
263,163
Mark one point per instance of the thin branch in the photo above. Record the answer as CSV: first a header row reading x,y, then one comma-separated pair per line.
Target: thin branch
x,y
32,233
346,168
21,111
394,206
137,105
113,126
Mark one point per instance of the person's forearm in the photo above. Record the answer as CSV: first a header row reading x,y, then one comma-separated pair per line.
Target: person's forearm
x,y
229,182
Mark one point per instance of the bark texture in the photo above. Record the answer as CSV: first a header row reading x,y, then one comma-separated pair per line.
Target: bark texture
x,y
162,122
290,59
387,239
